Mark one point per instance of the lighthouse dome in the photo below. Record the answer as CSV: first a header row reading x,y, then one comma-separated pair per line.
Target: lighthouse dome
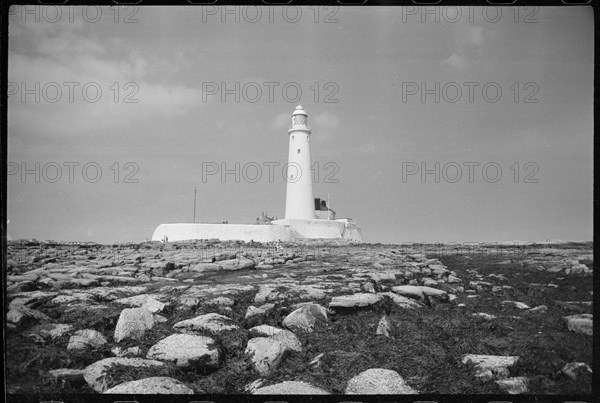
x,y
299,111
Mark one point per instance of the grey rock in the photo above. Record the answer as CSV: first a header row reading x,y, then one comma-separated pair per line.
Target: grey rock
x,y
95,374
125,352
485,316
516,304
385,326
220,301
290,388
369,287
378,381
265,353
211,322
261,310
583,323
18,314
186,350
539,308
419,292
143,301
354,300
48,331
401,301
490,367
514,386
281,335
572,369
305,317
84,339
133,323
158,385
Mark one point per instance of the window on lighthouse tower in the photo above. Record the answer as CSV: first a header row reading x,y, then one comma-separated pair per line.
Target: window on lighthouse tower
x,y
298,151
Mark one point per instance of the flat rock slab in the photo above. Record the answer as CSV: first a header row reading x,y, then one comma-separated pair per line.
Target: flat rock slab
x,y
583,323
419,292
210,322
401,301
280,335
186,350
359,300
265,353
378,381
516,304
159,385
95,373
142,301
18,314
48,331
290,388
261,310
514,386
484,315
133,323
490,366
84,339
304,318
573,369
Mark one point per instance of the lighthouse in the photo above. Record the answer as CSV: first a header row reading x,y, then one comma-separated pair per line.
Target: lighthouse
x,y
299,202
303,214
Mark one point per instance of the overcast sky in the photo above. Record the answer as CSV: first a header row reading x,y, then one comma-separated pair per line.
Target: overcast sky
x,y
159,98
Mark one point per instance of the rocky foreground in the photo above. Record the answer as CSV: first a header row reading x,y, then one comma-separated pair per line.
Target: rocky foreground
x,y
212,317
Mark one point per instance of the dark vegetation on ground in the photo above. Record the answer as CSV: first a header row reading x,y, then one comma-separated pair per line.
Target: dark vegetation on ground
x,y
426,347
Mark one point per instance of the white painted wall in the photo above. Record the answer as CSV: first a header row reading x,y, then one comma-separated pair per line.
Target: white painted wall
x,y
224,232
299,202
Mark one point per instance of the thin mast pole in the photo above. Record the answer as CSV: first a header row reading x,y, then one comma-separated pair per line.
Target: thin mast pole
x,y
194,205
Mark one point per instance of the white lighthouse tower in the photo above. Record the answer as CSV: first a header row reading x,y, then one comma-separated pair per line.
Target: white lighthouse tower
x,y
303,214
299,202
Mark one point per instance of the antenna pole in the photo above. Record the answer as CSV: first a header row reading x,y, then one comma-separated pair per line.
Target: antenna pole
x,y
194,205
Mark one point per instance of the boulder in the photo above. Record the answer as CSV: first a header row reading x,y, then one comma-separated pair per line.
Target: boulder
x,y
211,322
583,323
265,353
355,300
419,292
48,331
573,369
490,367
143,301
84,339
304,318
133,323
186,350
261,310
378,381
281,335
514,386
290,388
95,374
401,301
159,385
18,314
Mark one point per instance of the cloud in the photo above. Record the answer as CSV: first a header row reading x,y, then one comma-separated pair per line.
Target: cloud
x,y
76,83
281,121
475,35
456,62
325,124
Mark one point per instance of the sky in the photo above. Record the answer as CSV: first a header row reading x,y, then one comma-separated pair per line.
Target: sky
x,y
428,124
